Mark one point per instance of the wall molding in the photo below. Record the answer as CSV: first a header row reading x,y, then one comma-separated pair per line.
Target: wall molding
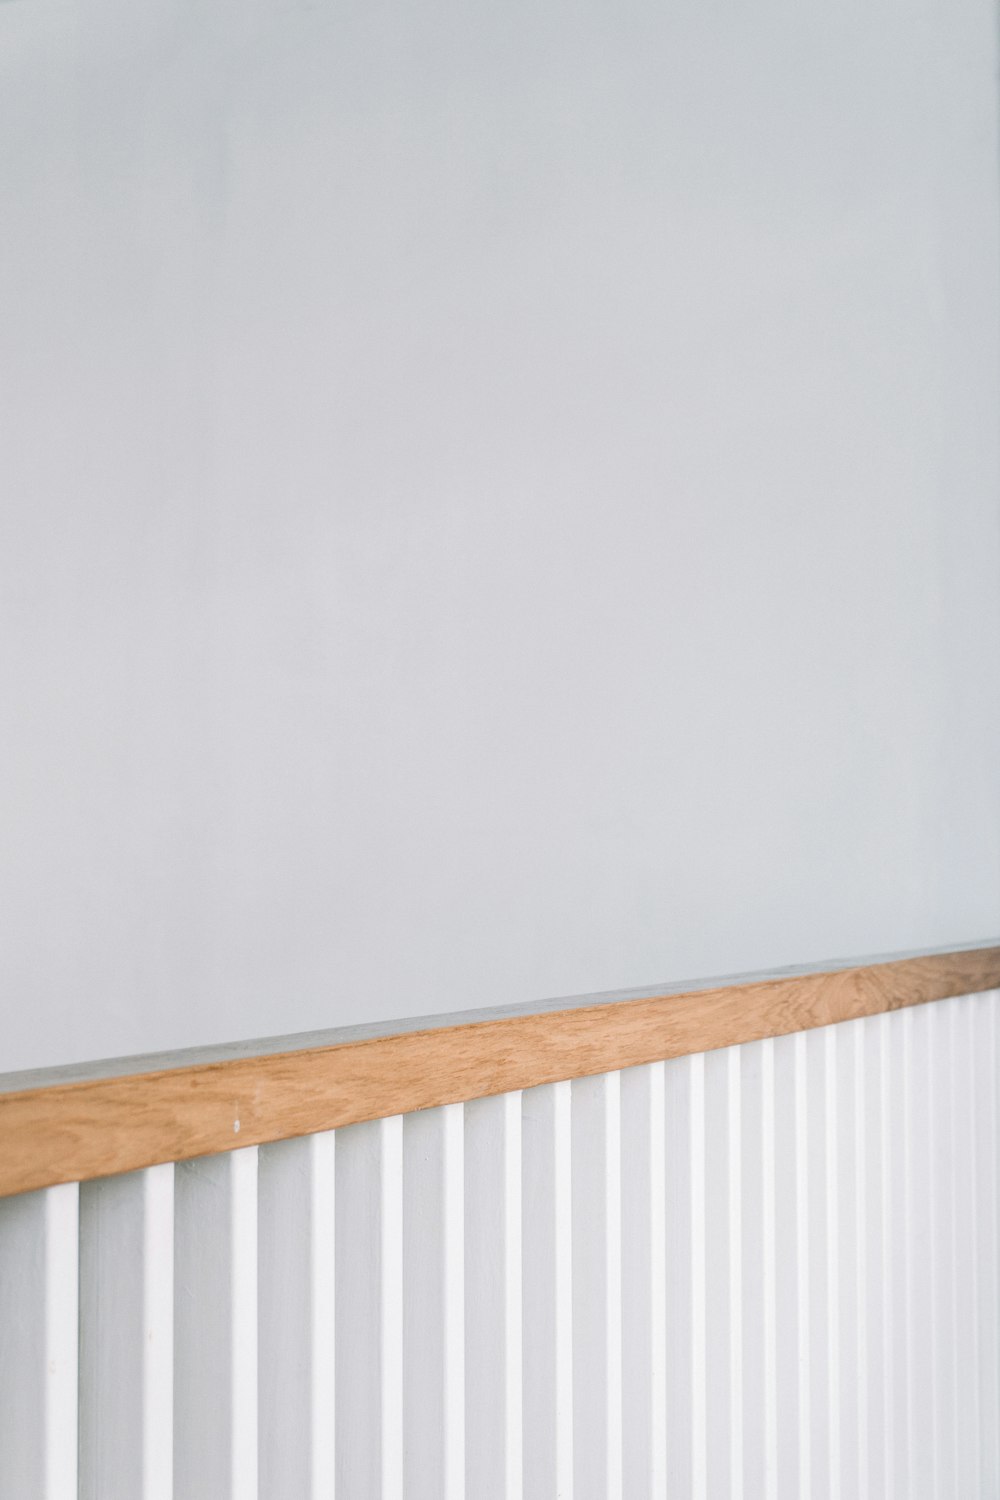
x,y
72,1128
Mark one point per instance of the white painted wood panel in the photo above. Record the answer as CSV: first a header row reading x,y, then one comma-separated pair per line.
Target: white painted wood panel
x,y
493,1303
547,1271
127,1336
215,1327
897,1165
791,1306
846,1159
723,1276
369,1310
297,1318
943,1168
684,1104
597,1287
754,1131
39,1362
920,1237
985,1041
434,1304
965,1240
875,1270
821,1230
643,1282
763,1273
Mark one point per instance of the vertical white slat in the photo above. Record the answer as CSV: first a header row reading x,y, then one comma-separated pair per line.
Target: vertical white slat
x,y
899,1253
861,1394
297,1318
769,1211
597,1327
790,1284
699,1319
127,1336
369,1309
61,1344
985,1071
751,1146
834,1334
684,1106
804,1192
493,1446
644,1269
875,1269
215,1327
965,1238
846,1165
433,1304
992,1459
735,1235
391,1262
723,1283
920,1237
818,1256
39,1245
547,1292
942,1311
755,1142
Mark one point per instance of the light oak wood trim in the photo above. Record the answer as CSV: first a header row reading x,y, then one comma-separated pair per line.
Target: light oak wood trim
x,y
75,1131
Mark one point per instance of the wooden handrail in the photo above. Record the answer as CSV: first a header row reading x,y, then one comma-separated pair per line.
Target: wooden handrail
x,y
102,1119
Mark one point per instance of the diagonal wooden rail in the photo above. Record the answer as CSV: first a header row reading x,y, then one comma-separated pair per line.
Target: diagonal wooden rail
x,y
74,1124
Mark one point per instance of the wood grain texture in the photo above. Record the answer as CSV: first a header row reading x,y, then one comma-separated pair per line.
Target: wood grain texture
x,y
80,1130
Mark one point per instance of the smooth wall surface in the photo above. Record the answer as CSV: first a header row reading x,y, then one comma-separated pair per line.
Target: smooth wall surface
x,y
497,502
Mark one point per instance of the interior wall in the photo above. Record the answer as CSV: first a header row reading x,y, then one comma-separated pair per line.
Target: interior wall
x,y
498,502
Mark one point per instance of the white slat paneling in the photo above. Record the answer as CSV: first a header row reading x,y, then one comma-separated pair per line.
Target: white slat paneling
x,y
215,1327
874,1290
846,1166
791,1300
943,1167
919,1234
38,1344
369,1310
899,1252
434,1304
296,1318
644,1272
493,1334
762,1273
822,1246
127,1336
755,1142
547,1272
723,1276
684,1149
965,1239
875,1265
985,1064
597,1290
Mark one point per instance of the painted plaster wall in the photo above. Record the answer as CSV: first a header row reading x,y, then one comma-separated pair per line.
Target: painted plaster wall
x,y
497,502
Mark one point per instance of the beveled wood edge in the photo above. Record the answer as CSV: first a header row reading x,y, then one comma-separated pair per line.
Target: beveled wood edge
x,y
79,1130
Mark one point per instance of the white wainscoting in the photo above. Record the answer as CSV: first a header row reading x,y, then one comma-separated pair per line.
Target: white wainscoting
x,y
764,1273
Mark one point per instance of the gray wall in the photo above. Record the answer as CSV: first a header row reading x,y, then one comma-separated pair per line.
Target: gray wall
x,y
498,501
